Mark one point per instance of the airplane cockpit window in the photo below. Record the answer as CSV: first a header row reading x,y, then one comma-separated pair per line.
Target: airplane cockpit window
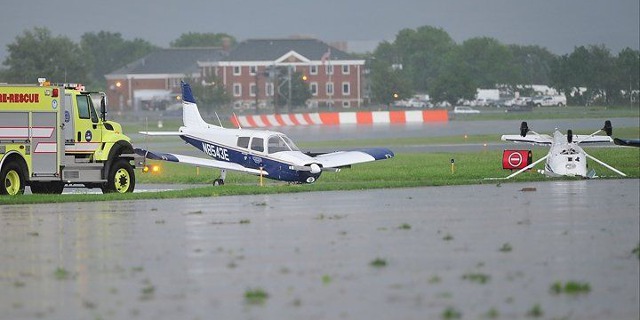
x,y
279,143
243,142
257,144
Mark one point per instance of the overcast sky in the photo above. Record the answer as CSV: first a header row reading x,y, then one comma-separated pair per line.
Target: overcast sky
x,y
558,25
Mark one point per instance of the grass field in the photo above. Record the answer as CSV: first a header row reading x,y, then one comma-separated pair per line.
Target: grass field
x,y
405,170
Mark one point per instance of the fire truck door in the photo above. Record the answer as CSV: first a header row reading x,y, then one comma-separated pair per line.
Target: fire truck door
x,y
67,120
44,147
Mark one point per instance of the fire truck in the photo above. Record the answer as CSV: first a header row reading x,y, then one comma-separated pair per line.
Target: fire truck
x,y
51,136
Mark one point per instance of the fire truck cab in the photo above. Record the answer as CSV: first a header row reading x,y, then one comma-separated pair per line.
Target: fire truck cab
x,y
51,135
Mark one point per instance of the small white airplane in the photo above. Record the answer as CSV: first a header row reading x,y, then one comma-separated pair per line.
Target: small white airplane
x,y
259,152
565,157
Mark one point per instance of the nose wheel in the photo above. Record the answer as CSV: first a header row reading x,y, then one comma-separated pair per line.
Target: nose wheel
x,y
220,181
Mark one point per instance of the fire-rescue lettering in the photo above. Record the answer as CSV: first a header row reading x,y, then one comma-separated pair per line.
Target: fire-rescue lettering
x,y
215,152
19,97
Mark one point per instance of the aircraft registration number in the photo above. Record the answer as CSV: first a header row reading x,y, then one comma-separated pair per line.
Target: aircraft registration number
x,y
215,152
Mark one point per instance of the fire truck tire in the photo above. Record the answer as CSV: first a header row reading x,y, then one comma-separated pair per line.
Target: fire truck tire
x,y
54,187
12,179
121,178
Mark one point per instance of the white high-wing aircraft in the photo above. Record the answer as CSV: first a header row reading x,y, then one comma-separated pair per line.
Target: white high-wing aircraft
x,y
565,157
260,152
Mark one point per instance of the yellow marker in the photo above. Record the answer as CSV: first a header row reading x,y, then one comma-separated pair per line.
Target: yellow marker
x,y
453,166
261,177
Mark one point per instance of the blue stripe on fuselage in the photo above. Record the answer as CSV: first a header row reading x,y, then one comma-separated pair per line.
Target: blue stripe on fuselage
x,y
276,170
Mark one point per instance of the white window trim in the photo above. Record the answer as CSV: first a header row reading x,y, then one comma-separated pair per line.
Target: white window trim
x,y
346,93
348,69
238,69
328,69
253,70
313,69
311,85
333,89
252,89
268,89
239,87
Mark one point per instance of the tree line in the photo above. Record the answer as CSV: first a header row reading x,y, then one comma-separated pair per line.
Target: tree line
x,y
421,60
427,60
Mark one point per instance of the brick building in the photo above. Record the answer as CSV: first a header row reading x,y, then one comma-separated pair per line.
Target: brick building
x,y
247,72
154,80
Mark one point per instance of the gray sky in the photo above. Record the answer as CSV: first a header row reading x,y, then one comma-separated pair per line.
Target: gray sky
x,y
558,25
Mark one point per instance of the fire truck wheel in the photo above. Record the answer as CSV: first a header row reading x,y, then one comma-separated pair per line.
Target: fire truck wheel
x,y
12,179
53,187
121,178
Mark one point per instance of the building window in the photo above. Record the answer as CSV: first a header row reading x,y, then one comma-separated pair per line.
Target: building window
x,y
268,89
253,70
345,69
313,87
237,89
252,89
313,69
237,70
346,104
328,69
346,88
329,88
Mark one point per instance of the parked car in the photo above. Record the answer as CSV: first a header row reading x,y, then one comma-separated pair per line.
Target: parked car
x,y
465,110
546,101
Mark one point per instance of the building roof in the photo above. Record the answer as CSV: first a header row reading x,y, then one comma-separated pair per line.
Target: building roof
x,y
273,49
171,61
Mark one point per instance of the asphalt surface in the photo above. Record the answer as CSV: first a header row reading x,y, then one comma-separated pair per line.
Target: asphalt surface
x,y
477,251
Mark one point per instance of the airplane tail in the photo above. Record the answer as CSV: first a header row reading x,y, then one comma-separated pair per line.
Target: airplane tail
x,y
190,114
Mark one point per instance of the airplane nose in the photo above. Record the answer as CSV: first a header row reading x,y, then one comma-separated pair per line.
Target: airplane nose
x,y
315,168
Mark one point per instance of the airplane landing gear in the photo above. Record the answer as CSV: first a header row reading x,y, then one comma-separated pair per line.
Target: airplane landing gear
x,y
220,181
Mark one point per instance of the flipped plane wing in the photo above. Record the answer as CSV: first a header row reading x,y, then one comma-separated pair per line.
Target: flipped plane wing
x,y
627,142
590,139
197,161
345,158
534,138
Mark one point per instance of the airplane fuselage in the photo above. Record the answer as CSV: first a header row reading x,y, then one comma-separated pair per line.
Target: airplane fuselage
x,y
251,149
565,158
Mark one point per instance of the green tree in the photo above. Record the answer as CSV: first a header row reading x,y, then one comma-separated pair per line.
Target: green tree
x,y
487,61
627,75
388,83
421,53
36,53
210,93
196,39
532,64
107,51
456,80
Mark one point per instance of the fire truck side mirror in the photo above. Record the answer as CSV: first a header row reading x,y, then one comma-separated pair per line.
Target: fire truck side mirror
x,y
103,108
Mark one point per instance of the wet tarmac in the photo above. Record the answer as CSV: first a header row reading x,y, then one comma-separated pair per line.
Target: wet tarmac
x,y
479,251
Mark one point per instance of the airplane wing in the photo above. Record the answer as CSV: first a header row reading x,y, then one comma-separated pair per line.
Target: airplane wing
x,y
535,139
583,138
196,161
345,158
161,133
627,142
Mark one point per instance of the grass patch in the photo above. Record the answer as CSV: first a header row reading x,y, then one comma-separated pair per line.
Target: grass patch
x,y
636,251
405,170
477,277
255,296
451,313
535,311
61,274
570,287
378,263
506,247
404,226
